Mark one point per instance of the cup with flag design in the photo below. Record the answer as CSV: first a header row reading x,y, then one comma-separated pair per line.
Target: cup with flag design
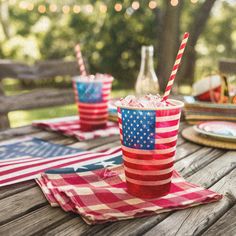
x,y
148,139
92,94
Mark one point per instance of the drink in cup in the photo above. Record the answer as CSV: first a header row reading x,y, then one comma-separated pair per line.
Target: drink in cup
x,y
92,93
148,131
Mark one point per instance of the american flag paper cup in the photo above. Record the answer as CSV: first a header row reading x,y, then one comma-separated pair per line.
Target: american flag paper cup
x,y
92,96
148,139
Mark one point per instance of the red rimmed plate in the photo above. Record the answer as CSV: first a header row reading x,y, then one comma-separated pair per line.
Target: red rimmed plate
x,y
222,130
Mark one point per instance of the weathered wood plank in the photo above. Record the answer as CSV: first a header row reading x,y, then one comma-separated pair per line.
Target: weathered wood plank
x,y
227,66
16,188
13,133
36,99
215,170
197,160
186,149
226,225
41,69
194,221
87,145
21,203
29,224
73,227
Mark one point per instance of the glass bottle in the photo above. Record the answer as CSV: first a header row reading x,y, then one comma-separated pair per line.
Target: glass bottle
x,y
147,82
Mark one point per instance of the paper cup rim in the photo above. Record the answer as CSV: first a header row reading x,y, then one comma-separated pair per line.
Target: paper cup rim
x,y
81,78
177,104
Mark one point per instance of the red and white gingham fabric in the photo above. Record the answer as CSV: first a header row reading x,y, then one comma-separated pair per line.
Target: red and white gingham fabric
x,y
100,196
70,126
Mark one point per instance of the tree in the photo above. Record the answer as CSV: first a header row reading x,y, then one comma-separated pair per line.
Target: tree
x,y
199,20
169,40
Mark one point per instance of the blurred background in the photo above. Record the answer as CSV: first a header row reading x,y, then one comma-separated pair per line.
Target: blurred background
x,y
111,34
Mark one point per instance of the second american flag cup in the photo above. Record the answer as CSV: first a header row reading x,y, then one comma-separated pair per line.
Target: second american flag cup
x,y
92,94
148,139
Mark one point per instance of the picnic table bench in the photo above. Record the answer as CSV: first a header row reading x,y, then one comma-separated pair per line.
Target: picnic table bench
x,y
25,210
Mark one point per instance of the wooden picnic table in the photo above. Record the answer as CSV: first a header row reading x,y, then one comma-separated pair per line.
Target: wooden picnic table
x,y
25,211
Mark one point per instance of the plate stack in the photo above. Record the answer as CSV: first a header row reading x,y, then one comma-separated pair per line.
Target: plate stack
x,y
196,111
218,134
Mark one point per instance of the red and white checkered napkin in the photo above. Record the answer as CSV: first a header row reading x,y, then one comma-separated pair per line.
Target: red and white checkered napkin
x,y
100,196
70,126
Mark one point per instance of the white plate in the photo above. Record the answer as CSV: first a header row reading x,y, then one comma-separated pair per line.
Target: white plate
x,y
221,130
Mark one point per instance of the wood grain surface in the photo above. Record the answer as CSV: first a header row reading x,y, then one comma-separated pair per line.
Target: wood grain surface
x,y
25,211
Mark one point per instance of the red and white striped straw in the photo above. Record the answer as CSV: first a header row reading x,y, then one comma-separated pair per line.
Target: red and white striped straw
x,y
176,66
80,60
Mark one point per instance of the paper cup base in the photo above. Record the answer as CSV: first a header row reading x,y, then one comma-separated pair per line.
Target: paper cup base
x,y
87,127
148,192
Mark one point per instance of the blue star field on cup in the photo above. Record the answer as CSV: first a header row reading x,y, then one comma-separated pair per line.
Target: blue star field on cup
x,y
138,129
89,92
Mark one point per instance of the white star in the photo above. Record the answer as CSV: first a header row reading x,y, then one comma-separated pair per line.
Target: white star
x,y
2,149
27,144
141,137
105,164
77,166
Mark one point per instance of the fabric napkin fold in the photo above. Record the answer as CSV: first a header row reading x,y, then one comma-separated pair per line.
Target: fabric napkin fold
x,y
100,196
70,126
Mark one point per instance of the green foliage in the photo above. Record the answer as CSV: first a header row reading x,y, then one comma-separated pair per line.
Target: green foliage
x,y
110,41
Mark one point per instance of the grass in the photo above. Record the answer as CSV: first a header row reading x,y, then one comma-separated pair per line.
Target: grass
x,y
21,118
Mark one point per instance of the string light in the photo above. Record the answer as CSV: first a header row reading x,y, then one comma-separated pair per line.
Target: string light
x,y
65,9
152,4
30,7
88,8
118,7
76,9
41,9
103,8
174,2
194,1
53,7
135,5
12,2
23,5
